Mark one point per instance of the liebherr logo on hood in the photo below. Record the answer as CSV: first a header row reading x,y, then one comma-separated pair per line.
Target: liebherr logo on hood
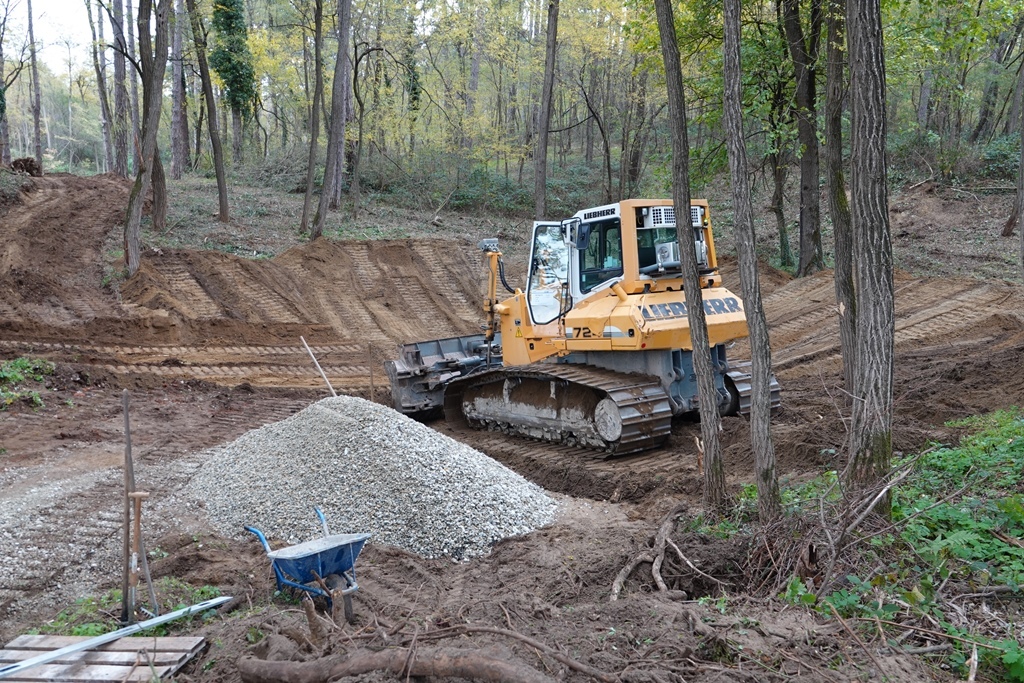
x,y
677,309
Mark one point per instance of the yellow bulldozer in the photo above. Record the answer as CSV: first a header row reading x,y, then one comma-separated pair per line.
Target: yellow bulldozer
x,y
596,351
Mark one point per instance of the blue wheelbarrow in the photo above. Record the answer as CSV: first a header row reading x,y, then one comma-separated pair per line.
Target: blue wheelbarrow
x,y
328,562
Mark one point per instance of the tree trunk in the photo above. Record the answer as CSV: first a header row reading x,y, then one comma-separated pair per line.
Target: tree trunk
x,y
179,102
36,107
769,505
540,173
804,52
159,212
775,160
714,470
336,131
925,100
120,92
236,136
133,78
871,430
838,207
1016,219
101,86
318,93
199,36
153,60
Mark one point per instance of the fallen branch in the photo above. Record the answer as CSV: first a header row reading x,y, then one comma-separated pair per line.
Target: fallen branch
x,y
438,663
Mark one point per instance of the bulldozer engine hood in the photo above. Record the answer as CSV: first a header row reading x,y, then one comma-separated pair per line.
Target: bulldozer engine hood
x,y
657,320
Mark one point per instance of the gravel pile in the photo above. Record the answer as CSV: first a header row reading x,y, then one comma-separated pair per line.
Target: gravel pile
x,y
370,469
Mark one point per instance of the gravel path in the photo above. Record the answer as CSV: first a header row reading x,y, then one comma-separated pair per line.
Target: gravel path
x,y
370,469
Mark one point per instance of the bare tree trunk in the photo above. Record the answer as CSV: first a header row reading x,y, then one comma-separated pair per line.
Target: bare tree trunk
x,y
769,504
540,173
336,131
871,431
318,93
5,133
1016,219
36,107
236,136
120,91
775,159
133,78
925,100
837,204
804,52
199,36
159,212
153,63
710,421
101,85
179,103
1013,122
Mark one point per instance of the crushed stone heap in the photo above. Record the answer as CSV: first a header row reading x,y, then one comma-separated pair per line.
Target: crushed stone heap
x,y
371,469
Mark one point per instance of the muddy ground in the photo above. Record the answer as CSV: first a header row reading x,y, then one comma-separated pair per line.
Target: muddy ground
x,y
208,345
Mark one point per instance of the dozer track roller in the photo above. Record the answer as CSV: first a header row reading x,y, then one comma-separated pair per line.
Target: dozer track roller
x,y
579,405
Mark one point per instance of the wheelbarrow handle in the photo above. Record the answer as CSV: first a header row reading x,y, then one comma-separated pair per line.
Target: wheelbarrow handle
x,y
259,535
323,520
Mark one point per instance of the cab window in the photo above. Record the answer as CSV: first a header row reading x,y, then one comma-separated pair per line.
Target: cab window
x,y
548,272
602,259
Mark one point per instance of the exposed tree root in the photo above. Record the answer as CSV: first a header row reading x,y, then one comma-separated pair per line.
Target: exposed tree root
x,y
655,555
427,662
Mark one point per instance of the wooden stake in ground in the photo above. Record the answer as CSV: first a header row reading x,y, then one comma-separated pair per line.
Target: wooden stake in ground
x,y
317,364
127,609
133,580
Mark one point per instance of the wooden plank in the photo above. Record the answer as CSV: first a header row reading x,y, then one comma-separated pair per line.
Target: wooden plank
x,y
92,657
129,644
89,674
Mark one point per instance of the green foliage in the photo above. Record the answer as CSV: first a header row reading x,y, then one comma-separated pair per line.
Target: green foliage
x,y
14,374
956,518
231,57
88,616
1001,158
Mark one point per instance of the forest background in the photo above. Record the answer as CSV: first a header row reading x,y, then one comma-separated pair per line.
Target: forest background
x,y
442,99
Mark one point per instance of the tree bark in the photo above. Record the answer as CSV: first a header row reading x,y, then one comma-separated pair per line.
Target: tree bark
x,y
199,36
236,136
120,92
336,132
318,93
1016,218
540,173
871,430
101,86
714,470
133,78
5,137
424,662
179,102
153,60
769,504
36,107
804,52
775,160
838,207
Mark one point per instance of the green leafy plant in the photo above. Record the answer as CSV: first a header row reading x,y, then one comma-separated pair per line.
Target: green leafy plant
x,y
15,374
